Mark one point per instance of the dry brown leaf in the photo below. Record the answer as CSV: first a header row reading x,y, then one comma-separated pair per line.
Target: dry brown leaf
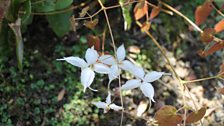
x,y
140,11
145,26
195,116
207,35
155,11
91,24
61,94
202,12
94,41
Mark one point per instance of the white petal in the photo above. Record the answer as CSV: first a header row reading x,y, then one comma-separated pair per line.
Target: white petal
x,y
101,68
148,90
108,99
115,107
126,65
114,72
131,84
107,59
76,61
121,53
87,77
152,76
91,56
100,104
138,72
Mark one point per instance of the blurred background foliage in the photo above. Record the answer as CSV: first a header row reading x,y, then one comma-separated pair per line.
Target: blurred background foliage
x,y
31,79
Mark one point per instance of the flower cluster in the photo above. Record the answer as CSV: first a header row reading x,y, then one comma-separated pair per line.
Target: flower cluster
x,y
112,66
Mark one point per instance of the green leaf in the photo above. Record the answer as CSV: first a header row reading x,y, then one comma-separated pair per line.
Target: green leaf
x,y
19,43
45,6
61,4
60,23
126,14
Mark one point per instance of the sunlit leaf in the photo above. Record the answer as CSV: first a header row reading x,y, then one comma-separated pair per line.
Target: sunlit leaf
x,y
61,95
219,26
126,14
140,11
202,12
93,41
195,116
91,24
207,35
155,11
19,43
166,116
211,49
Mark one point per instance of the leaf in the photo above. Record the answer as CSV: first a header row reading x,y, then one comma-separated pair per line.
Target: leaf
x,y
221,72
140,11
61,94
62,4
26,12
91,24
221,90
84,11
202,12
126,14
19,43
60,23
207,35
213,48
93,41
44,6
155,12
195,116
166,116
219,26
145,26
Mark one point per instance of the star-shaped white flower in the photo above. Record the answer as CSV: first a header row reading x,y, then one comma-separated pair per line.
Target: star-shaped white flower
x,y
116,65
143,81
88,67
107,105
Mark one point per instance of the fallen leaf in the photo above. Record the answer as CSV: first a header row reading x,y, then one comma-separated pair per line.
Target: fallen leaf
x,y
202,12
166,116
195,116
140,11
61,94
93,41
219,26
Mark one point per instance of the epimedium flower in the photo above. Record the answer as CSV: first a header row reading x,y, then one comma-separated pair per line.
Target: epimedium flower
x,y
107,105
116,64
143,81
88,67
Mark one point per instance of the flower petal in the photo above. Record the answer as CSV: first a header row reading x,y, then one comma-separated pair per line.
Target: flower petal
x,y
87,77
152,76
108,99
101,68
148,90
91,56
76,61
100,104
115,107
131,84
113,73
127,65
107,59
138,72
121,53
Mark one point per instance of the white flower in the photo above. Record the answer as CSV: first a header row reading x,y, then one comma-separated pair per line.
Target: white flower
x,y
116,65
107,105
143,81
88,67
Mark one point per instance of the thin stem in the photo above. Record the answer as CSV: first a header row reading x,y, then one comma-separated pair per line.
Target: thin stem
x,y
114,47
198,80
